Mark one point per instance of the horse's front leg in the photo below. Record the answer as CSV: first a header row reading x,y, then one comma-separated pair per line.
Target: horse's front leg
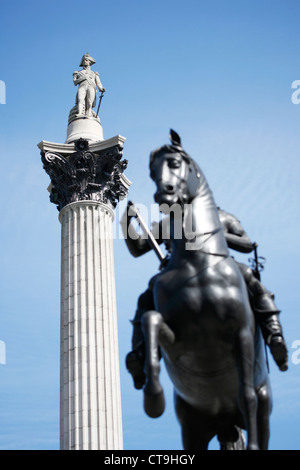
x,y
245,360
152,327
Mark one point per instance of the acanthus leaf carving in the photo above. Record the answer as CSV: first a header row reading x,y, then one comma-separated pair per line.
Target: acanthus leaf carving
x,y
85,175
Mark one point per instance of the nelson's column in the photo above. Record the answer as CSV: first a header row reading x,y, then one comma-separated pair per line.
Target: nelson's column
x,y
87,181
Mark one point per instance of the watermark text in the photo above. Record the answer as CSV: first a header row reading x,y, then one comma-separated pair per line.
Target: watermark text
x,y
2,92
296,353
174,219
2,352
296,94
150,459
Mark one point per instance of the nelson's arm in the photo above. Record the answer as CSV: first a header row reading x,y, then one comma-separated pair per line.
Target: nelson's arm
x,y
98,82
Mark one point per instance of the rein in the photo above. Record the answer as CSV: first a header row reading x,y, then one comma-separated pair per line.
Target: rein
x,y
211,234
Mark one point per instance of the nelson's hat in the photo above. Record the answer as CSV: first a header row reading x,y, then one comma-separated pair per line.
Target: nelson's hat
x,y
87,56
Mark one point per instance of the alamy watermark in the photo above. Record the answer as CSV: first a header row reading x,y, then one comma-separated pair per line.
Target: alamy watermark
x,y
296,94
2,92
182,224
2,352
296,354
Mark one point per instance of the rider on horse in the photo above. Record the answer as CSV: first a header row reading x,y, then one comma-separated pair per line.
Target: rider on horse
x,y
261,300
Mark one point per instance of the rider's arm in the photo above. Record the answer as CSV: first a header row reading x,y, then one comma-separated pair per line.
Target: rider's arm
x,y
136,244
236,237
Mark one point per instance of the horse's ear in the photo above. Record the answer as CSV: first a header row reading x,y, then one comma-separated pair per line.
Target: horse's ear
x,y
175,139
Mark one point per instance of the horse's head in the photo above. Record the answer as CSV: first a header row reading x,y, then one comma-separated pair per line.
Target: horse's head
x,y
175,174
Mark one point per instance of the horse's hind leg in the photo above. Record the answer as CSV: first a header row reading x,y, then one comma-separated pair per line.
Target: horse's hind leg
x,y
263,416
197,430
248,394
154,401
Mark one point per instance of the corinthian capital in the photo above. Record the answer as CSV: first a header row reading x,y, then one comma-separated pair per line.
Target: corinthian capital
x,y
86,175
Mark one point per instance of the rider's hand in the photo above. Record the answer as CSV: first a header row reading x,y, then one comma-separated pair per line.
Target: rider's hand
x,y
131,210
129,213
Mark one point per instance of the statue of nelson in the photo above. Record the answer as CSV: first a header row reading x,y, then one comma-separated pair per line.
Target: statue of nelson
x,y
88,82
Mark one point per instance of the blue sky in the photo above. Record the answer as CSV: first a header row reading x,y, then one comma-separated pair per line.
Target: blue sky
x,y
220,74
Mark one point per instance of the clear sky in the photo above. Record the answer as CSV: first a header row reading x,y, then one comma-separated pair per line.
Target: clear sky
x,y
220,73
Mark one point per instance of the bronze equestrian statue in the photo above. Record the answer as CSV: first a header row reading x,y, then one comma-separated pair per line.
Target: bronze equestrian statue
x,y
201,318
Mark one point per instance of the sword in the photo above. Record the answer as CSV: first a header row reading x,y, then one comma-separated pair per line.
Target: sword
x,y
147,232
101,96
258,266
257,262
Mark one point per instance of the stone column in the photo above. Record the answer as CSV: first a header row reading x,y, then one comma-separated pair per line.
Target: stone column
x,y
85,186
90,384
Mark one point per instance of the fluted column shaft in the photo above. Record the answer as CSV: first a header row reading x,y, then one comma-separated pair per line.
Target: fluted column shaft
x,y
90,384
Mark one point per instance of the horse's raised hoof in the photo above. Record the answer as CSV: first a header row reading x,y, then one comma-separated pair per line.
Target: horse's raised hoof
x,y
154,404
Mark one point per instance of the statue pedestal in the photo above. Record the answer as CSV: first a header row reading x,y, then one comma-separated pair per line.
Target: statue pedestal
x,y
88,128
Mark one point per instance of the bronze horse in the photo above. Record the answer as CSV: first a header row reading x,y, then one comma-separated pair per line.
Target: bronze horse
x,y
202,324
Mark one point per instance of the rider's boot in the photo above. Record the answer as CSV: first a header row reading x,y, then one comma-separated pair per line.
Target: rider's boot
x,y
135,359
267,316
273,336
134,364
